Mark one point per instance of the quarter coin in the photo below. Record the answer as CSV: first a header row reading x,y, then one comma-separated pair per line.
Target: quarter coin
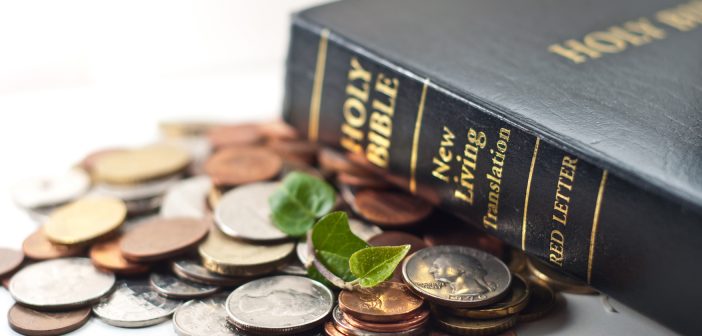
x,y
192,270
134,305
457,276
204,317
510,304
541,302
390,207
36,246
187,198
279,305
162,238
60,284
139,165
170,286
85,220
107,255
28,321
234,166
385,303
10,260
51,191
468,327
244,213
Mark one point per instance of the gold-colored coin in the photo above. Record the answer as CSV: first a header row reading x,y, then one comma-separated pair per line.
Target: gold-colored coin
x,y
544,274
180,129
139,165
512,303
225,255
517,262
464,326
541,302
85,220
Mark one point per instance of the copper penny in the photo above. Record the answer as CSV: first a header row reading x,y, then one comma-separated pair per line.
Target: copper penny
x,y
107,255
295,150
162,238
278,129
365,181
391,208
10,260
28,321
38,247
458,233
417,321
331,330
384,303
235,135
333,160
236,166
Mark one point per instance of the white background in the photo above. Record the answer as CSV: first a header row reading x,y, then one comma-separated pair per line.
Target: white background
x,y
76,76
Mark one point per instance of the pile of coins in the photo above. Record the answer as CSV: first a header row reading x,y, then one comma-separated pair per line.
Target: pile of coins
x,y
181,230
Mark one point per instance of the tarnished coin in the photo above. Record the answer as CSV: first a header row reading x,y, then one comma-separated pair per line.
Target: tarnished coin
x,y
244,213
28,321
139,165
235,166
462,326
134,304
235,135
390,208
187,198
36,246
225,255
342,325
170,286
60,284
541,272
162,238
385,303
85,220
107,255
419,320
51,191
279,305
204,317
457,276
510,304
133,192
541,302
191,269
10,260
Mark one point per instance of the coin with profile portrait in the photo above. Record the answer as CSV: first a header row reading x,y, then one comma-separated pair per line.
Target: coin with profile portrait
x,y
456,276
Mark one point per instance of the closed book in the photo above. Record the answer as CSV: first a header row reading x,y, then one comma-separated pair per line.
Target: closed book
x,y
570,129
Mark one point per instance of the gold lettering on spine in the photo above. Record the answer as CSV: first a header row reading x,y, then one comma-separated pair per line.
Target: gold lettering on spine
x,y
528,188
415,139
316,100
595,223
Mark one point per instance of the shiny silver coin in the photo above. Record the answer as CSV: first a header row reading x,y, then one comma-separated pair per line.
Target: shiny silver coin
x,y
172,287
134,304
303,253
191,269
244,213
204,317
135,192
456,276
60,284
187,198
279,305
338,317
51,191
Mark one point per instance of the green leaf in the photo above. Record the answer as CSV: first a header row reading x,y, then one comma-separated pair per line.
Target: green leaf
x,y
372,265
300,200
334,243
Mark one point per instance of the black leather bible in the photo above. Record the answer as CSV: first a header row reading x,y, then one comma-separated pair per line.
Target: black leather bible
x,y
571,129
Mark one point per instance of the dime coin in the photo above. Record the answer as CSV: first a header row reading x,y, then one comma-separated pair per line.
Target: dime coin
x,y
417,321
386,302
545,274
172,287
10,260
134,305
60,284
192,270
512,303
235,166
36,246
204,317
28,321
235,135
345,328
279,305
85,220
541,302
391,208
162,238
225,255
139,165
51,191
456,276
187,198
244,213
133,192
107,255
463,326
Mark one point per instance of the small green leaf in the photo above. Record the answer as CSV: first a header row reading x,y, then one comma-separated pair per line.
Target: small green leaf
x,y
372,265
334,243
299,201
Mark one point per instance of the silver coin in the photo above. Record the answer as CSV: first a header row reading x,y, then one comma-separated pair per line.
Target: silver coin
x,y
191,269
456,276
51,191
173,287
134,304
187,198
244,213
338,317
279,305
303,253
143,206
60,284
204,317
136,192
